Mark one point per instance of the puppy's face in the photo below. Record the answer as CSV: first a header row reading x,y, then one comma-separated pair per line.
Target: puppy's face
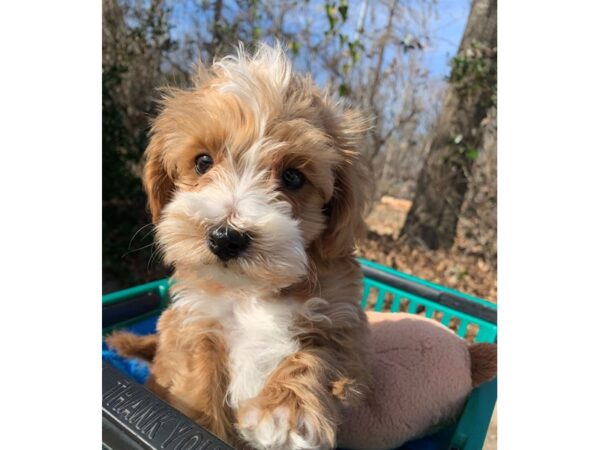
x,y
252,173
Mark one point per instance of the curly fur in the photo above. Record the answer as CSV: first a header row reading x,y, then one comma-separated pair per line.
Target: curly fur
x,y
263,350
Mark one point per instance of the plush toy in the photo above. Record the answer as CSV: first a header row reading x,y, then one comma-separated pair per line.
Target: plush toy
x,y
422,373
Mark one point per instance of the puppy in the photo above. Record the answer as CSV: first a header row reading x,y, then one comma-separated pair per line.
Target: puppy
x,y
258,191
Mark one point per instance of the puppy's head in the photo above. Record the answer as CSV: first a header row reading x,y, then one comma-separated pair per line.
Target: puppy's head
x,y
253,173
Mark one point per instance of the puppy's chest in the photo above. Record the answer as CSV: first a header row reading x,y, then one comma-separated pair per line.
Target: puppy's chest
x,y
259,336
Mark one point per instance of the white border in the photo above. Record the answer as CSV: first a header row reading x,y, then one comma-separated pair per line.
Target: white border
x,y
548,225
50,79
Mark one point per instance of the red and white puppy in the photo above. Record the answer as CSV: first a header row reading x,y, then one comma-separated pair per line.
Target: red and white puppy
x,y
258,191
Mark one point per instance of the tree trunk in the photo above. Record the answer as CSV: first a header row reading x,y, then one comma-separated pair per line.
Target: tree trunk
x,y
443,180
217,32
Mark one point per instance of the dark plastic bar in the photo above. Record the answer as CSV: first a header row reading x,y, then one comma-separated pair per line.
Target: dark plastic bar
x,y
443,298
128,309
133,418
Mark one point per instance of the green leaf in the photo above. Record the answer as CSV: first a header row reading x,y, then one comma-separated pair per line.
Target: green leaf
x,y
472,154
330,11
343,90
295,47
343,9
332,21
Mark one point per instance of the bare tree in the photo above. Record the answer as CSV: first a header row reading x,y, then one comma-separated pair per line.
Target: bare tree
x,y
458,136
380,67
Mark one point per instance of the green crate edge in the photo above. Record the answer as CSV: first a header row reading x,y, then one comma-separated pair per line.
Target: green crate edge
x,y
474,421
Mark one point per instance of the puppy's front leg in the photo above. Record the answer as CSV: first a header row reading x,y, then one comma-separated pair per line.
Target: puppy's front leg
x,y
190,372
296,409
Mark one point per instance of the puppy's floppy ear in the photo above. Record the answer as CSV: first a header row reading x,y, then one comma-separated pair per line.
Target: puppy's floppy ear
x,y
353,186
157,182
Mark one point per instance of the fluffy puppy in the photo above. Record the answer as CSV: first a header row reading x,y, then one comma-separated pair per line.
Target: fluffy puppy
x,y
258,191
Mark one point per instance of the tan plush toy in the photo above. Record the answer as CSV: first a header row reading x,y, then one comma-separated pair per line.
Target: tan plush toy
x,y
422,373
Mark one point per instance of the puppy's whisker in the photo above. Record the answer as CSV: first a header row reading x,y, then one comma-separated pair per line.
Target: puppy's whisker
x,y
136,250
137,232
148,233
153,254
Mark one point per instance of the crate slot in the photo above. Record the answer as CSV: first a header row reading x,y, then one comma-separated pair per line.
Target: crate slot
x,y
472,332
372,297
388,301
404,305
454,324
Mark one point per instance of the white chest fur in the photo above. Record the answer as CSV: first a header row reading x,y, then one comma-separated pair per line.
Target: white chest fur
x,y
260,336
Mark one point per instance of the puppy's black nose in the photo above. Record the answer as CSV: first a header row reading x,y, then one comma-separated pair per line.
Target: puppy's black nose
x,y
227,243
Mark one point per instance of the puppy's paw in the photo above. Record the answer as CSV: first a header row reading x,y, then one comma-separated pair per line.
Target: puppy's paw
x,y
281,428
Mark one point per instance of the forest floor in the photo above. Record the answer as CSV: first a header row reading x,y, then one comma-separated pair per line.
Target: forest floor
x,y
452,268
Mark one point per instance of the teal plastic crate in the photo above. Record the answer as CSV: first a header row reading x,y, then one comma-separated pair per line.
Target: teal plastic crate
x,y
385,289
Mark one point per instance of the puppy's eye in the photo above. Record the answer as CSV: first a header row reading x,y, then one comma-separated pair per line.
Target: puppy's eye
x,y
292,179
203,163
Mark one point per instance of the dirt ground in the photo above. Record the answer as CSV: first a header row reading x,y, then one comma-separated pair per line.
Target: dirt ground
x,y
454,268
